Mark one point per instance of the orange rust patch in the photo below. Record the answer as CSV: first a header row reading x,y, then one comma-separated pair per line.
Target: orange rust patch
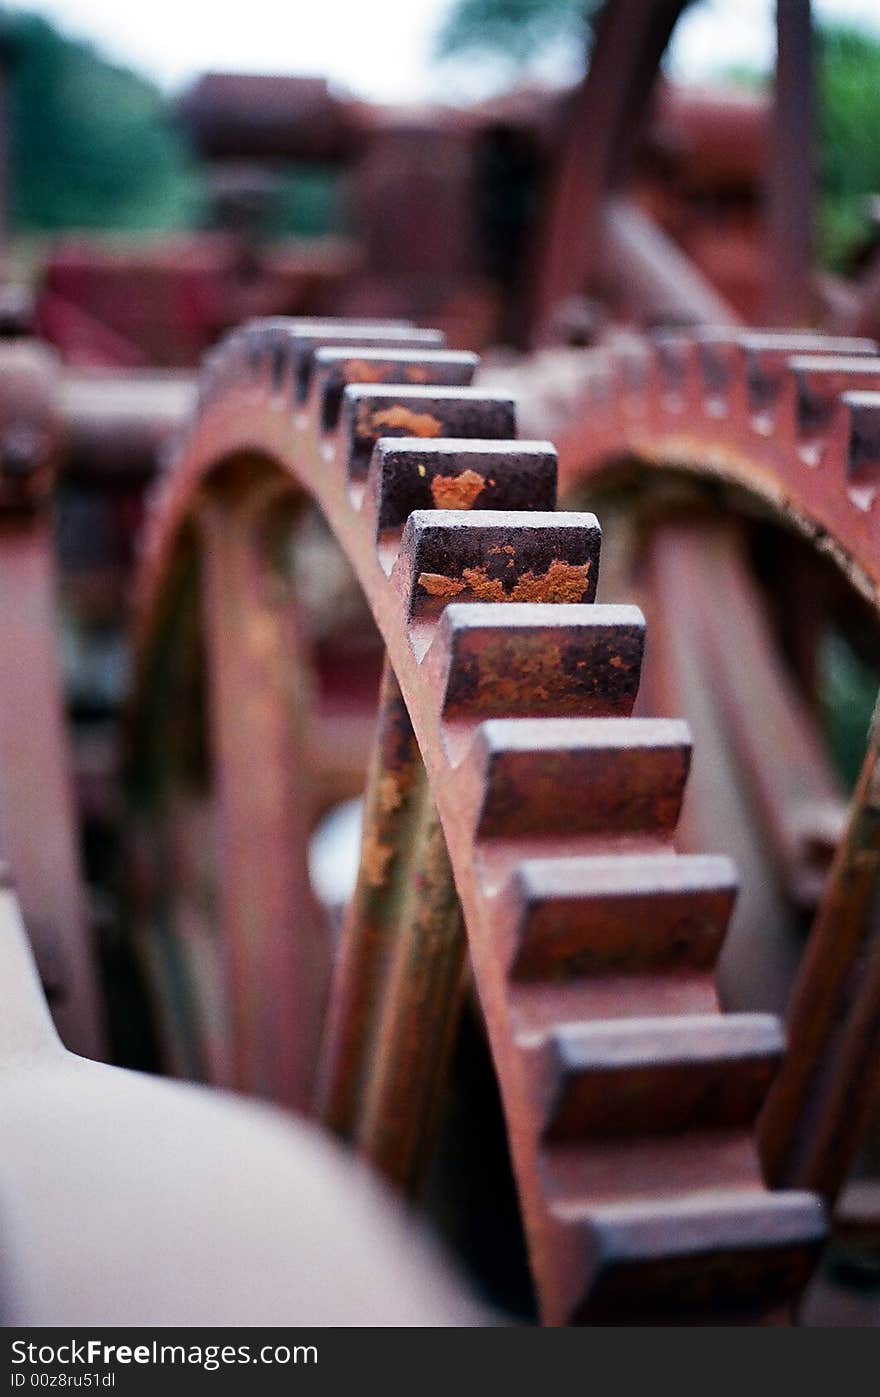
x,y
507,681
436,585
390,793
399,418
375,858
484,587
456,491
417,373
562,582
359,371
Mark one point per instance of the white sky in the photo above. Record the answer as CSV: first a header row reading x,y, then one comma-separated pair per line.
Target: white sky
x,y
379,48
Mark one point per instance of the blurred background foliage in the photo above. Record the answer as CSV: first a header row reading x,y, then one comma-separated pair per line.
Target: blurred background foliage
x,y
517,30
92,145
849,148
95,145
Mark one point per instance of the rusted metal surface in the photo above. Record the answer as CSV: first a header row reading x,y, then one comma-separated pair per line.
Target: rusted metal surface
x,y
693,162
647,277
161,305
791,419
790,188
37,824
395,791
815,1117
420,1014
629,42
682,557
558,812
798,801
236,116
271,933
399,976
116,425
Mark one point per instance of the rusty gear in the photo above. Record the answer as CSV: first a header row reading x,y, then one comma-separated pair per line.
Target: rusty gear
x,y
630,1099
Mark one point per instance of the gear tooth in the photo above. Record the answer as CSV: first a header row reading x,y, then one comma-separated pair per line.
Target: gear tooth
x,y
594,389
221,363
766,356
721,371
578,776
277,340
254,350
369,413
356,336
653,1076
537,660
614,915
732,1253
676,370
209,375
817,381
488,555
858,430
743,370
765,359
290,344
632,359
236,357
335,368
408,473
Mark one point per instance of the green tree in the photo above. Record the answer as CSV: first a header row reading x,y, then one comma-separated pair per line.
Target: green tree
x,y
849,150
92,145
519,30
